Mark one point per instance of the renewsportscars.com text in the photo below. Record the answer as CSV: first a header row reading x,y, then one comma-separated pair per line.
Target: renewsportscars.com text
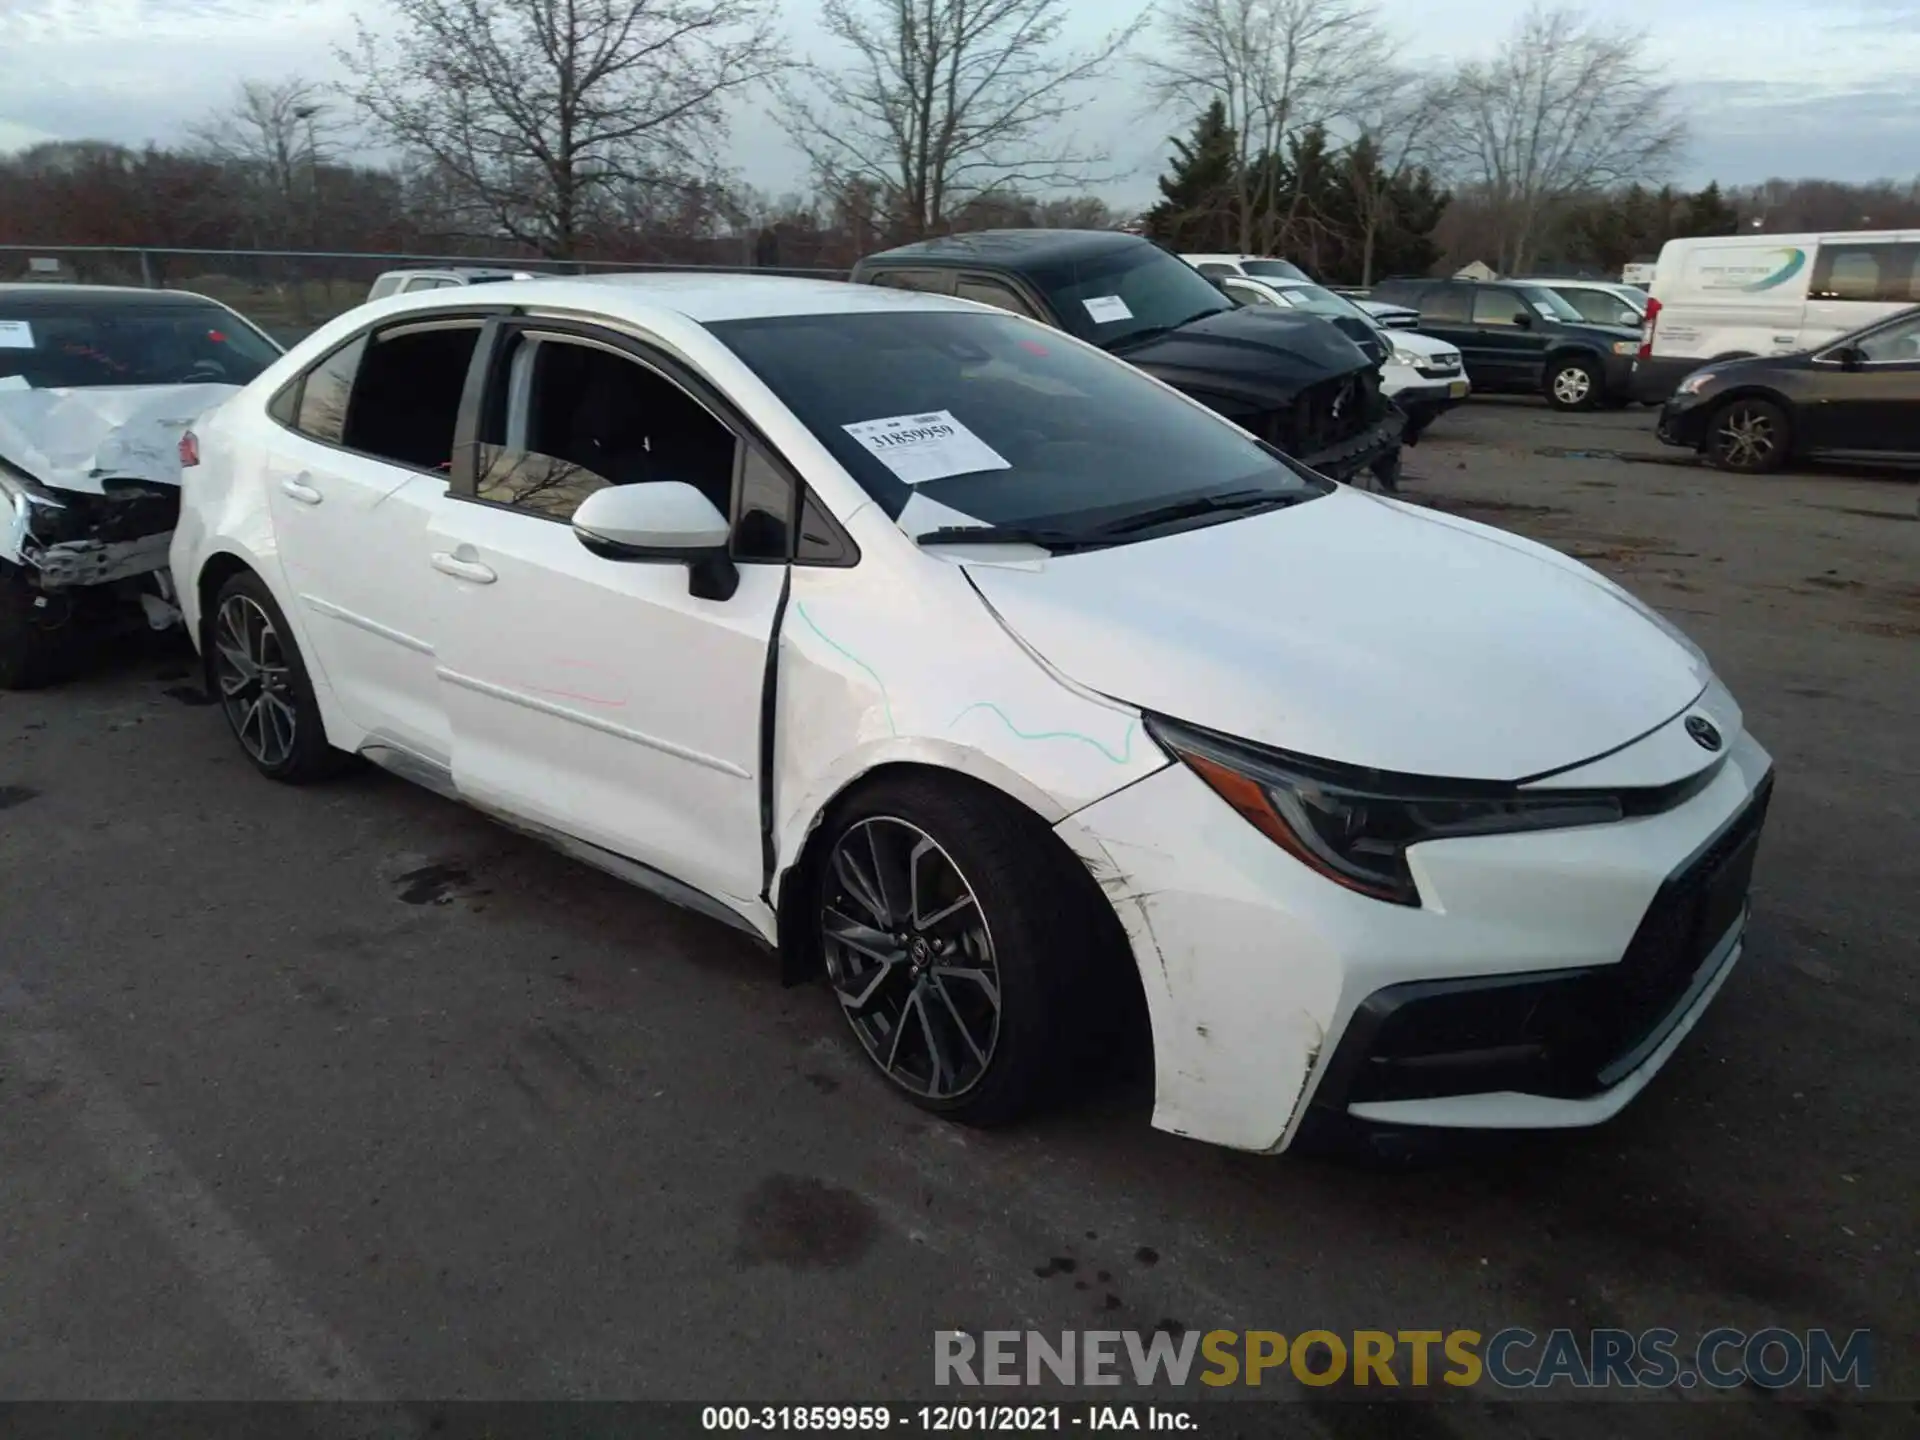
x,y
1512,1359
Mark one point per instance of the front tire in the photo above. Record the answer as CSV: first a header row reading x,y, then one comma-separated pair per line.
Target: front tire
x,y
1573,384
1748,436
950,944
256,673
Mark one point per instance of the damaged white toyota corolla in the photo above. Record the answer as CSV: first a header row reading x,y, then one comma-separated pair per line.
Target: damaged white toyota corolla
x,y
992,677
97,383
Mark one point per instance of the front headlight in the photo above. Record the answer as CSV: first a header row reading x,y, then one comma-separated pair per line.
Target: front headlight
x,y
1405,357
1355,826
1694,383
1626,347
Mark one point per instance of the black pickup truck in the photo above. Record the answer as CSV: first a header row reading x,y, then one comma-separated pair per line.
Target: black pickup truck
x,y
1292,379
1520,336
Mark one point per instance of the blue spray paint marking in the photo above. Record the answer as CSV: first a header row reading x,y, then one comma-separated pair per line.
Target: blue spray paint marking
x,y
835,645
1122,758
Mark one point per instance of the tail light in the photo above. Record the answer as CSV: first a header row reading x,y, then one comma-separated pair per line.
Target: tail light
x,y
189,449
1646,331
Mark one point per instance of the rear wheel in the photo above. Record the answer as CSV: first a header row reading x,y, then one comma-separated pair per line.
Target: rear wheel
x,y
1748,436
1573,384
948,946
255,671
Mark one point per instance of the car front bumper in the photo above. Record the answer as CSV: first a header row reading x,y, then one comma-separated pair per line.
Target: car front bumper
x,y
1541,983
1379,442
1683,421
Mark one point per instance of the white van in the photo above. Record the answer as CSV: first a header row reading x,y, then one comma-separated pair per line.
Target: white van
x,y
1721,296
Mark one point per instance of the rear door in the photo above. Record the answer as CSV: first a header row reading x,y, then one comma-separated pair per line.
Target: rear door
x,y
1446,314
351,485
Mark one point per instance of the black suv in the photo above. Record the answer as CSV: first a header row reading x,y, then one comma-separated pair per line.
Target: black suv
x,y
1291,378
1518,336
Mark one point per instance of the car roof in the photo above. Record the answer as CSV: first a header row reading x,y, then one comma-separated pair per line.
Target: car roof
x,y
452,270
1011,247
64,296
705,298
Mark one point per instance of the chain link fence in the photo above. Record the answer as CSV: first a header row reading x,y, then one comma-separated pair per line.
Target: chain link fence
x,y
290,292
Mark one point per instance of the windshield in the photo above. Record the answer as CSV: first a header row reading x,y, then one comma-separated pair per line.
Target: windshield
x,y
1552,305
1318,300
1116,298
1273,270
91,342
990,418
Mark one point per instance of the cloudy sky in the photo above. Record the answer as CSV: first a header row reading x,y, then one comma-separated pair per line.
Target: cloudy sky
x,y
1770,87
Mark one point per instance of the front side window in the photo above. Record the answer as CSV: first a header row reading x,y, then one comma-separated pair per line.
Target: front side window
x,y
1548,304
992,292
1496,308
86,343
976,416
1121,296
568,418
1895,344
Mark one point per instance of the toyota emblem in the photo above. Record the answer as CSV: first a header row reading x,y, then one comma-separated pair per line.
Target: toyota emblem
x,y
1703,732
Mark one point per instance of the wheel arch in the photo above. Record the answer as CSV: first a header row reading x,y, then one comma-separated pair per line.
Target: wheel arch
x,y
1769,394
804,841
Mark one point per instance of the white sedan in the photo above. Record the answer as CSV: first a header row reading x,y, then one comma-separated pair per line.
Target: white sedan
x,y
995,679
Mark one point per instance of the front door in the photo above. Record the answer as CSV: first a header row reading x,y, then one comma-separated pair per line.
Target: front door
x,y
592,696
1873,408
1512,353
351,490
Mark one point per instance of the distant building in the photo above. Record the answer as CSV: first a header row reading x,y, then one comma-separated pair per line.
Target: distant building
x,y
1477,270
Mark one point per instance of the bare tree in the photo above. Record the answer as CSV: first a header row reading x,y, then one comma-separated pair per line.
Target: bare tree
x,y
1394,136
1566,107
275,136
538,111
1279,67
940,102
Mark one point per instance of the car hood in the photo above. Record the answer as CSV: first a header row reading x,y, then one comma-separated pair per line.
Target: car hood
x,y
75,439
1263,355
1425,345
1361,630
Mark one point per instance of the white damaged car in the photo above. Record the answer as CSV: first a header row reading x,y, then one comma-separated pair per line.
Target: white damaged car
x,y
97,384
991,677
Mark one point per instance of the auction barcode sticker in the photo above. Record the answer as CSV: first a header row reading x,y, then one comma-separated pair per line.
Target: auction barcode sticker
x,y
1107,309
920,448
16,335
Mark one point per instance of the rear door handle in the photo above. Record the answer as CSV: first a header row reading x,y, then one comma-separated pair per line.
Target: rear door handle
x,y
460,569
298,489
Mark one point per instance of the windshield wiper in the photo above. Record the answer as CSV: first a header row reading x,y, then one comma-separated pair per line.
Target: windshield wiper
x,y
1201,505
1154,332
1000,535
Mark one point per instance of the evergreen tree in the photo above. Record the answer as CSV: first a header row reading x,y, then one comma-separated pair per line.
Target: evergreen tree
x,y
1195,212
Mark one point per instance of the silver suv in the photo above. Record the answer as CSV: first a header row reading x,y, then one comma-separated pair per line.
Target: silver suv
x,y
407,282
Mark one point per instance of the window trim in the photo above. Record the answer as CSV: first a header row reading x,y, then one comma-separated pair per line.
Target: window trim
x,y
480,316
603,333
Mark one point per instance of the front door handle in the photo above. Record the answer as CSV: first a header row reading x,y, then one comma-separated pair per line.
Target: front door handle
x,y
460,569
298,489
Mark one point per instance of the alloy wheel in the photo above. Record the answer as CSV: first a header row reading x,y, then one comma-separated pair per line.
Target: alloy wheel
x,y
910,957
1572,386
1745,439
255,681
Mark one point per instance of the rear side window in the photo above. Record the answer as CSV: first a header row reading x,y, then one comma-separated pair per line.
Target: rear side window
x,y
1444,304
928,282
1217,271
325,392
1886,273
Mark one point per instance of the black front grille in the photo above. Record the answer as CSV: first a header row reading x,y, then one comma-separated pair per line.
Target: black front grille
x,y
1329,414
1562,1033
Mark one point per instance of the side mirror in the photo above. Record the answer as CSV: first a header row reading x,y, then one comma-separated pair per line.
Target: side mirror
x,y
1523,319
662,520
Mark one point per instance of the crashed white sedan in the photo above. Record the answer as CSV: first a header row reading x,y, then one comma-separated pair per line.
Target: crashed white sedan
x,y
961,661
97,383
